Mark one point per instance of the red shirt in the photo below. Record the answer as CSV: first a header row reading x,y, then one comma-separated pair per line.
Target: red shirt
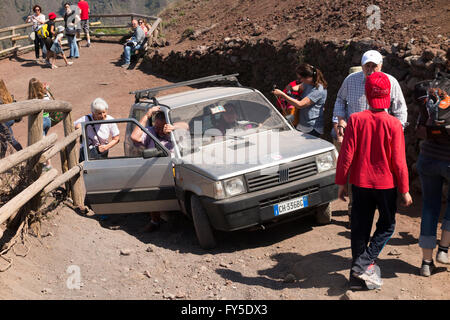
x,y
84,6
373,152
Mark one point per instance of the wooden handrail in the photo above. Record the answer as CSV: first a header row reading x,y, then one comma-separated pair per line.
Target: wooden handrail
x,y
13,205
121,15
24,108
60,145
27,153
153,33
63,178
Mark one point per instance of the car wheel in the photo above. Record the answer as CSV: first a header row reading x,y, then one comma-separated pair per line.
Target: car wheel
x,y
202,226
323,214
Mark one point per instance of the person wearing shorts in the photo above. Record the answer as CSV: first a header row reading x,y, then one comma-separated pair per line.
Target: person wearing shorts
x,y
84,17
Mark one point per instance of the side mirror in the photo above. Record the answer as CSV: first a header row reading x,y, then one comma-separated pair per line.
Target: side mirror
x,y
152,153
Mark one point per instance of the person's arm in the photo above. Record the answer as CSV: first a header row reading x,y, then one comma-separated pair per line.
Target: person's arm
x,y
168,128
299,104
137,132
104,147
398,104
345,159
399,165
339,111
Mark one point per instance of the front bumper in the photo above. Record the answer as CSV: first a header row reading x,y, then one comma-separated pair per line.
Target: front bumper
x,y
256,208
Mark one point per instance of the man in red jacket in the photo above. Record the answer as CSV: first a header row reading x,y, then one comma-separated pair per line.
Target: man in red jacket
x,y
373,153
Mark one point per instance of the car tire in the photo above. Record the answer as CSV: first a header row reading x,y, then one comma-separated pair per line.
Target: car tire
x,y
323,214
202,226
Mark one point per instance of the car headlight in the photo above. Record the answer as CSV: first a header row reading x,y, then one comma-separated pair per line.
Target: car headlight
x,y
234,186
229,188
325,162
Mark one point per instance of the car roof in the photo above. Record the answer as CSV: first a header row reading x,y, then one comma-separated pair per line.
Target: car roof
x,y
199,95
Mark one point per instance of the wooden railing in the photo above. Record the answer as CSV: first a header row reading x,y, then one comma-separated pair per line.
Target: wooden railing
x,y
39,150
20,42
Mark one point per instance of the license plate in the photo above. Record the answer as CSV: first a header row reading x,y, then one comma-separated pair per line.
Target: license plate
x,y
290,205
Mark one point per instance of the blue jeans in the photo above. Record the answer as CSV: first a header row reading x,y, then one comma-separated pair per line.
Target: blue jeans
x,y
366,249
74,52
7,136
432,173
47,124
127,52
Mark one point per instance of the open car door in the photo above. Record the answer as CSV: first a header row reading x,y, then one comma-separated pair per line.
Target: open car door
x,y
130,179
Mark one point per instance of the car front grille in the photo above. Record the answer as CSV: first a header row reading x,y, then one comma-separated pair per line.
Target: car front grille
x,y
285,173
270,202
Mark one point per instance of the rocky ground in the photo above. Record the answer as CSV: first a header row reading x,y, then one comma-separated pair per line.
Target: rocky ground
x,y
189,24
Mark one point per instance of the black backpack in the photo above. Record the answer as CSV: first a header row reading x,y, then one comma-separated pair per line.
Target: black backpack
x,y
434,108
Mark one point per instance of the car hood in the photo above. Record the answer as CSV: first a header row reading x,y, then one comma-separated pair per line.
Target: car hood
x,y
237,156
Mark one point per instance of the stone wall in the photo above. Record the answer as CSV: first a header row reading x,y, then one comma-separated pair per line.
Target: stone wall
x,y
263,63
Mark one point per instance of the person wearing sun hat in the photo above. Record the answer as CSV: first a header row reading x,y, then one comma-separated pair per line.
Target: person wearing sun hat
x,y
373,156
48,41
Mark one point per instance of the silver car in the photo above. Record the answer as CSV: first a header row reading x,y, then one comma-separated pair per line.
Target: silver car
x,y
239,164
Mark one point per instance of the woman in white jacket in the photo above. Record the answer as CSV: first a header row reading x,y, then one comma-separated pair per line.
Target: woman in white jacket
x,y
38,19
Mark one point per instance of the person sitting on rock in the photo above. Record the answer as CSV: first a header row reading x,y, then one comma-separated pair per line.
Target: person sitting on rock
x,y
134,43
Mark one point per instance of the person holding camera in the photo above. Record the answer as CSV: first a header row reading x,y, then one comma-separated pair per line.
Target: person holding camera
x,y
98,135
311,100
134,43
38,20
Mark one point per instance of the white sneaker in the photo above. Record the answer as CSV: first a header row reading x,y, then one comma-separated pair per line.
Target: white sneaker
x,y
442,257
54,67
69,63
427,268
372,277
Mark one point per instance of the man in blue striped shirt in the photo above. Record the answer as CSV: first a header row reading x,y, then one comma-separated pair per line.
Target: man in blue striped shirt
x,y
351,97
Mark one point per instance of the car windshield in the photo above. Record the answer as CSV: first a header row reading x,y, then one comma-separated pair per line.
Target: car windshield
x,y
227,118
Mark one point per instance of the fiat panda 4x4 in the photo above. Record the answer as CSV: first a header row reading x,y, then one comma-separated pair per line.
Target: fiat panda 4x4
x,y
239,163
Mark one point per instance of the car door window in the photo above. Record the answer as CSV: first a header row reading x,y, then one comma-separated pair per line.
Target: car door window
x,y
104,132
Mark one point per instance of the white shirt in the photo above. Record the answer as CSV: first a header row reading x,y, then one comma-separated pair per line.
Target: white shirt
x,y
37,21
58,37
104,131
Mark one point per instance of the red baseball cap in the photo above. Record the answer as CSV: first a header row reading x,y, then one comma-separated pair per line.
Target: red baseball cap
x,y
378,90
52,15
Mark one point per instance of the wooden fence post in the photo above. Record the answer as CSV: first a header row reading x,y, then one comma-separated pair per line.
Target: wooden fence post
x,y
72,160
65,168
35,134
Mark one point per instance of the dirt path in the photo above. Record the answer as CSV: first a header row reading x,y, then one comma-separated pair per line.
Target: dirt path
x,y
115,260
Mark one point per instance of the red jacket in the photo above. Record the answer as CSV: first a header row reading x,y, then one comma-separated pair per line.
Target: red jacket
x,y
373,152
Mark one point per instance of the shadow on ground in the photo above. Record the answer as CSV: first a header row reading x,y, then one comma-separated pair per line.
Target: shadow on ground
x,y
315,270
179,233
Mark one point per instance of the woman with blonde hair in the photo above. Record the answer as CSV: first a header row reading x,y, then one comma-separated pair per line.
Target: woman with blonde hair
x,y
39,90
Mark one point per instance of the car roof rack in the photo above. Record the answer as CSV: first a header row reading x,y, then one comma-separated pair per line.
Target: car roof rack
x,y
152,92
